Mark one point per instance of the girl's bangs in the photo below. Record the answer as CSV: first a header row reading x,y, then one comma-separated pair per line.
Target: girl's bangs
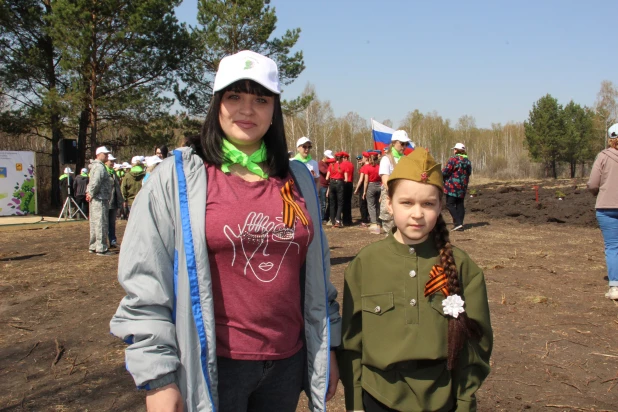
x,y
249,87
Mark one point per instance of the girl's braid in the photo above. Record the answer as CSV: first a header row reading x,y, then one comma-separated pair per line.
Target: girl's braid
x,y
462,327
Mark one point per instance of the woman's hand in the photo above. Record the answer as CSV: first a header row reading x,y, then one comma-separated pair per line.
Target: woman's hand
x,y
164,399
334,376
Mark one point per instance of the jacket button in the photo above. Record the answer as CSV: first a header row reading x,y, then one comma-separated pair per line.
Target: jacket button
x,y
412,273
411,250
377,309
413,302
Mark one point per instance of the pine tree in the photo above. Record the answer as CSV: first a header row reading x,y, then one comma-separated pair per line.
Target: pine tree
x,y
545,129
227,27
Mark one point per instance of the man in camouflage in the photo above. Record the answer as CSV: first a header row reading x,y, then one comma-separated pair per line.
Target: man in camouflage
x,y
98,194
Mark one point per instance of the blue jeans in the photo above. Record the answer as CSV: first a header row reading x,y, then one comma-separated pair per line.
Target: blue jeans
x,y
260,386
608,222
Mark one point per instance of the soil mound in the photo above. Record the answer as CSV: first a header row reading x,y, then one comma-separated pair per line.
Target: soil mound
x,y
559,201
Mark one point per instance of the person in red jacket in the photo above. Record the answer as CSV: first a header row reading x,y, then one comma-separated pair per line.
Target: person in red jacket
x,y
336,176
361,162
348,189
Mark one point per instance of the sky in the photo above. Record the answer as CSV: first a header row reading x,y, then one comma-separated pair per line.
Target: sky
x,y
487,59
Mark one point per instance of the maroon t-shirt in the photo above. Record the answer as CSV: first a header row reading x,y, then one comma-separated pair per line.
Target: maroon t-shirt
x,y
323,167
255,263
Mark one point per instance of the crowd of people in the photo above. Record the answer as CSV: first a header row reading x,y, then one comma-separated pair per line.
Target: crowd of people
x,y
105,191
334,175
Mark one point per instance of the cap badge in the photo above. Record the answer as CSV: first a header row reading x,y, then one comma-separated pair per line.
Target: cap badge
x,y
424,176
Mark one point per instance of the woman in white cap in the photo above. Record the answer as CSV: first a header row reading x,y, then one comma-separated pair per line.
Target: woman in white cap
x,y
303,147
399,143
323,184
456,175
229,306
603,183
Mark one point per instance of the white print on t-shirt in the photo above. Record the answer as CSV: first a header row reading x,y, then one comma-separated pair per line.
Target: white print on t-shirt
x,y
254,238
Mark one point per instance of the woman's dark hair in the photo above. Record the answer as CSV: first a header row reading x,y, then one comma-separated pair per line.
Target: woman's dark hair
x,y
373,160
164,151
462,327
212,134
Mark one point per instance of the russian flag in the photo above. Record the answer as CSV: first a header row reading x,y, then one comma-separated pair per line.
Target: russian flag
x,y
382,137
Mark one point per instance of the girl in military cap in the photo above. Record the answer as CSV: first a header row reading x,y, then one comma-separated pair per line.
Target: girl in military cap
x,y
416,329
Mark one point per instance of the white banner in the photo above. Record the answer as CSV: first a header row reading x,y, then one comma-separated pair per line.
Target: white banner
x,y
17,184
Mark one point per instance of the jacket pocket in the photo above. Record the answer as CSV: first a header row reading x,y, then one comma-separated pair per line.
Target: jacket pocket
x,y
378,304
436,302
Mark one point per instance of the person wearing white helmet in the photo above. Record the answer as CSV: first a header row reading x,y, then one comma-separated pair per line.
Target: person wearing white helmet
x,y
132,183
80,185
66,182
303,148
151,163
399,142
98,193
456,174
229,306
603,183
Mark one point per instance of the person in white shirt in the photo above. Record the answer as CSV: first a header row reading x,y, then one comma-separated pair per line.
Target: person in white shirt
x,y
399,142
303,146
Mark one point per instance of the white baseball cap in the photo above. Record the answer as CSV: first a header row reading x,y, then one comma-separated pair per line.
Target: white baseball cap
x,y
329,154
67,170
459,146
136,160
84,170
613,131
302,141
126,165
250,66
400,136
111,157
153,160
102,149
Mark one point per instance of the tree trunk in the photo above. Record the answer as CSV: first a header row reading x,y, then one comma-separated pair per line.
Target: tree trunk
x,y
82,135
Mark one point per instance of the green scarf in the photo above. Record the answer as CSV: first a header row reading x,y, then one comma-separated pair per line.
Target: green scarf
x,y
137,169
302,159
396,154
232,156
109,170
462,155
84,174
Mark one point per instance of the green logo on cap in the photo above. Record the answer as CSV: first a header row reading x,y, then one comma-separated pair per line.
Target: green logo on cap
x,y
249,65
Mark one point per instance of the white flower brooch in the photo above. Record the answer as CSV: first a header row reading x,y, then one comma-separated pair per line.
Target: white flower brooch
x,y
453,305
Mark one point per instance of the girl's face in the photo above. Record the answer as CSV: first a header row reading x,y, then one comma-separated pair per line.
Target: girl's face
x,y
245,118
415,208
305,149
400,147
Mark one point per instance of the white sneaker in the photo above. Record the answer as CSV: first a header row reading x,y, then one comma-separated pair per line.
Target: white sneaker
x,y
612,293
374,229
457,228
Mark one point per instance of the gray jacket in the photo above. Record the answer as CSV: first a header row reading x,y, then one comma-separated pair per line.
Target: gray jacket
x,y
100,184
167,316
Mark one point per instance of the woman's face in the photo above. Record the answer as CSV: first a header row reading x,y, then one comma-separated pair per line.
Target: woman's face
x,y
159,154
399,146
245,118
305,149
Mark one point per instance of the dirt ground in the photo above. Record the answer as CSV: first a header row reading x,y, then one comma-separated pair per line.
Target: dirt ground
x,y
556,336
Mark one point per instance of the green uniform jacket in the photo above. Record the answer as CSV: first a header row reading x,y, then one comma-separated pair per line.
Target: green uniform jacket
x,y
132,183
394,342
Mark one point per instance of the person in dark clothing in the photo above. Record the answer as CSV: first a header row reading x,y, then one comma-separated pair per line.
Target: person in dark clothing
x,y
132,183
323,184
66,181
116,202
335,177
456,176
80,183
